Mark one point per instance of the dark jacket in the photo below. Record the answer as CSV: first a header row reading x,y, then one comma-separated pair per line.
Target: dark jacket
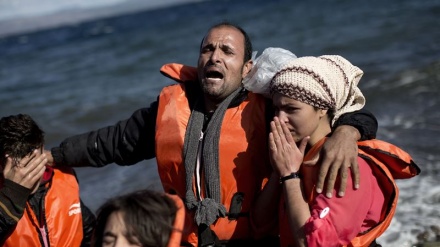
x,y
133,140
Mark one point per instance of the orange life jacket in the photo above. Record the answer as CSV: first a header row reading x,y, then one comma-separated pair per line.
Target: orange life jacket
x,y
243,155
387,162
62,215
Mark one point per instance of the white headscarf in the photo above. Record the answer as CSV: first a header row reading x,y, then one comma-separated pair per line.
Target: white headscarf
x,y
325,82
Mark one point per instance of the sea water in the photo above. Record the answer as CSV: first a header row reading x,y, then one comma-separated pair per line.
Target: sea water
x,y
79,77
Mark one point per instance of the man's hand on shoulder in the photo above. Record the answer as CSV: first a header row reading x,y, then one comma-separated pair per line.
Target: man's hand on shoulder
x,y
337,156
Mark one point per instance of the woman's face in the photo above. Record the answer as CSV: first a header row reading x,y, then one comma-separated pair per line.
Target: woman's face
x,y
301,119
115,232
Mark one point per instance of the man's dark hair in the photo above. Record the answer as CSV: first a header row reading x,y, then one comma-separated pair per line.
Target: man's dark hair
x,y
19,135
147,215
247,41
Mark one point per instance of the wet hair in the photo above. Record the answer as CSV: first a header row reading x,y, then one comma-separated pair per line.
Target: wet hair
x,y
247,41
147,215
19,135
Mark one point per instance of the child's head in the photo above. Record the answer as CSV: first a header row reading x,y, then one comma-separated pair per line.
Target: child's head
x,y
142,218
19,136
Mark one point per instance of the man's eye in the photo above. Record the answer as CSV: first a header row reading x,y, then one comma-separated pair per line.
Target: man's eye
x,y
206,49
228,51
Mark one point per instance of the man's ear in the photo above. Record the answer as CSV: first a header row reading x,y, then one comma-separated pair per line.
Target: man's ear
x,y
247,68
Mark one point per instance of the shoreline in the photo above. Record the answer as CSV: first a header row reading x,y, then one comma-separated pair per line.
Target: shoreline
x,y
72,17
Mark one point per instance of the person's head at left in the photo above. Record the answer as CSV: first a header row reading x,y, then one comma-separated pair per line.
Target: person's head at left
x,y
21,149
141,218
310,93
224,60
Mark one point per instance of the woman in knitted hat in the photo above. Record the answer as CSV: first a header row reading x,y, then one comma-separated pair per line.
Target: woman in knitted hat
x,y
309,94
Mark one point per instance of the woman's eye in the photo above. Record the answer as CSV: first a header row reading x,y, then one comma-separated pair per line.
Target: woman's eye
x,y
108,241
291,109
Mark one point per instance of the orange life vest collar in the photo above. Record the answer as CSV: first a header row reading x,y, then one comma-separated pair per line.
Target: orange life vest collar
x,y
179,221
179,72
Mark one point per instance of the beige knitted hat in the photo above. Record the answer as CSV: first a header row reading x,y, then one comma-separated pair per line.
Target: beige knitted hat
x,y
325,82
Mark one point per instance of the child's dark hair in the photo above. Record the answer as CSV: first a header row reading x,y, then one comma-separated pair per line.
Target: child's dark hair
x,y
148,217
19,135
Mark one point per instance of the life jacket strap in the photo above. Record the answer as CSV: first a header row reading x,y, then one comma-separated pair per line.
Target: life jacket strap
x,y
235,208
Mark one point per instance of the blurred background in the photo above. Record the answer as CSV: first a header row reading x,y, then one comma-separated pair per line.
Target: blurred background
x,y
79,65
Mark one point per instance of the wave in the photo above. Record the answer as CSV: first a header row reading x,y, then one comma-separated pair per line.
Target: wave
x,y
30,15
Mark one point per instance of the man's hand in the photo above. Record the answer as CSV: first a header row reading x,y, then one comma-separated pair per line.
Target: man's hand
x,y
338,154
27,171
49,157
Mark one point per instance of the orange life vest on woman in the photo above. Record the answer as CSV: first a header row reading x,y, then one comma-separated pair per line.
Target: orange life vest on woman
x,y
62,215
387,162
243,155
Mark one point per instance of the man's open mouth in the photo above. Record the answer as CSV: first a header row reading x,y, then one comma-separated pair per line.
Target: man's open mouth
x,y
214,74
